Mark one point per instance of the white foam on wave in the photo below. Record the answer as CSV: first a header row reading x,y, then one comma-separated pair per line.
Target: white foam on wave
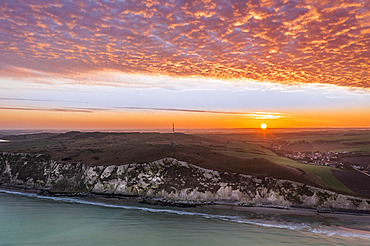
x,y
342,232
259,222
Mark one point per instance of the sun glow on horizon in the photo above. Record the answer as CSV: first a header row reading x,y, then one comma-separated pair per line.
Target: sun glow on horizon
x,y
174,61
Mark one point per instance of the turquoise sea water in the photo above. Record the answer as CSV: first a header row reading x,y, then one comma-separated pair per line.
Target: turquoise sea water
x,y
29,219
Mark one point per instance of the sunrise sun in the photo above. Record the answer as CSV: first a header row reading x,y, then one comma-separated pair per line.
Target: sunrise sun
x,y
263,126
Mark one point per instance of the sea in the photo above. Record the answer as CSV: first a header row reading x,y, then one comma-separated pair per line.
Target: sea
x,y
31,219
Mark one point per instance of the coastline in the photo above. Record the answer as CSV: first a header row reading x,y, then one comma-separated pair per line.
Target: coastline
x,y
349,224
347,215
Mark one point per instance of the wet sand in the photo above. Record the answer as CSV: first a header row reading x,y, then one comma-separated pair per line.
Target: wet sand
x,y
309,212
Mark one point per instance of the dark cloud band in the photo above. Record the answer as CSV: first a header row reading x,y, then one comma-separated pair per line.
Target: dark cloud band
x,y
256,115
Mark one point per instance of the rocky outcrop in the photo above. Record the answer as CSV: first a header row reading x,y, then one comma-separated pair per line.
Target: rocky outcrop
x,y
168,179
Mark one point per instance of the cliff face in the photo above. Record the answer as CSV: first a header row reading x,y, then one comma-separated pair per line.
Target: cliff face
x,y
169,179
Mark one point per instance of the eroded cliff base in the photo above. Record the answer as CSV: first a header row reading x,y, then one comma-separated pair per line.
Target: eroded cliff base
x,y
168,182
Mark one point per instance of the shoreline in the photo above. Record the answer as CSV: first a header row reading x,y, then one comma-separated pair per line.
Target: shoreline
x,y
350,215
350,223
340,225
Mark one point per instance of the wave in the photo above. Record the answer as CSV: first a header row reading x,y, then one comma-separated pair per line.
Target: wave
x,y
304,227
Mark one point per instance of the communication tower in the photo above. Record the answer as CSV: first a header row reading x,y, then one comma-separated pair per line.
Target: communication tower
x,y
172,135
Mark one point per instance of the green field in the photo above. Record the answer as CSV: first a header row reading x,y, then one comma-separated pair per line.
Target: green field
x,y
251,150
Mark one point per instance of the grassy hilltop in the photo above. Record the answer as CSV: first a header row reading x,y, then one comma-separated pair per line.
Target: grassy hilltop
x,y
251,153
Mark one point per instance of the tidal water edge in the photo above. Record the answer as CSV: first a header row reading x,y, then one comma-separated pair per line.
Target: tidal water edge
x,y
31,219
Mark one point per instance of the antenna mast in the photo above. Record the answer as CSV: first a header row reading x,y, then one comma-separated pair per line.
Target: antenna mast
x,y
173,132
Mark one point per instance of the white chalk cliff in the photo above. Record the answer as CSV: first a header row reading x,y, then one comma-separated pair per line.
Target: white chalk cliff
x,y
168,179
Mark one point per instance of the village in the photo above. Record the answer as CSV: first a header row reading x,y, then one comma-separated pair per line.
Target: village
x,y
328,158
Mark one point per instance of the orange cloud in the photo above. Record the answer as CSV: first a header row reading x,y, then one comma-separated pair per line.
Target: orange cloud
x,y
283,42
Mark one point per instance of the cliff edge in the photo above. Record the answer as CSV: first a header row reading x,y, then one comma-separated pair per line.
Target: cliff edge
x,y
169,179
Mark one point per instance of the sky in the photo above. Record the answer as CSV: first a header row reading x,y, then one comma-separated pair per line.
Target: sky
x,y
201,64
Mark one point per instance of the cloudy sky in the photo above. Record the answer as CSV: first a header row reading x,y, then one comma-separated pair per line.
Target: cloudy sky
x,y
202,64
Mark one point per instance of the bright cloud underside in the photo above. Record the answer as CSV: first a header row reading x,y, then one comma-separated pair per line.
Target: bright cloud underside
x,y
275,41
